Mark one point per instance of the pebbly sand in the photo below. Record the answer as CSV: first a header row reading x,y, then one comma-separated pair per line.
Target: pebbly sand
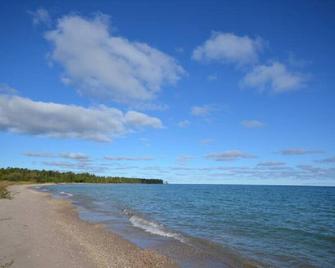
x,y
38,231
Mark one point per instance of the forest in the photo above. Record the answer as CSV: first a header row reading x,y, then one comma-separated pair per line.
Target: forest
x,y
44,176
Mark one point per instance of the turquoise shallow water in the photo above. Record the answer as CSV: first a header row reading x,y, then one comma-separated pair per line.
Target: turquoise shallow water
x,y
279,226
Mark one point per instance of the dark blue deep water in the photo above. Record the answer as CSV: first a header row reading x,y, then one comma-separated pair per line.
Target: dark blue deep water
x,y
217,225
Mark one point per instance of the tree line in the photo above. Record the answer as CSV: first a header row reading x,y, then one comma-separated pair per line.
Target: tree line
x,y
44,176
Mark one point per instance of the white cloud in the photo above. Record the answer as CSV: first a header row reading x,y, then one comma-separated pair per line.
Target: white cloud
x,y
128,158
184,123
22,115
229,48
40,16
229,155
299,151
252,124
136,119
105,66
202,111
274,77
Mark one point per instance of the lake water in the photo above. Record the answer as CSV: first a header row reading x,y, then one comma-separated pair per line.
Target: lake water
x,y
216,225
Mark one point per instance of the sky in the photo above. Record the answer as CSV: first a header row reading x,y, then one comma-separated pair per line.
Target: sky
x,y
213,92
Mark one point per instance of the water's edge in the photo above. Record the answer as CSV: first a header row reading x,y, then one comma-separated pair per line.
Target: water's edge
x,y
215,226
185,250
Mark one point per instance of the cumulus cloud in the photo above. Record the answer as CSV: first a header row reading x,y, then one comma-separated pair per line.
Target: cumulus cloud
x,y
136,119
274,77
128,158
40,16
184,123
22,115
229,155
105,66
252,124
299,151
229,48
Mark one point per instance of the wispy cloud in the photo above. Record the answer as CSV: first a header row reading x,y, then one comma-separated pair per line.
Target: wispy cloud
x,y
75,156
327,160
184,123
203,110
81,166
299,151
66,155
40,16
206,141
128,158
271,164
75,161
212,77
149,106
105,66
39,154
252,124
184,159
6,89
22,115
229,48
229,155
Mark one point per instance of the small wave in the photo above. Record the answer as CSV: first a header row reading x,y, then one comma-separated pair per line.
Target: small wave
x,y
66,194
154,228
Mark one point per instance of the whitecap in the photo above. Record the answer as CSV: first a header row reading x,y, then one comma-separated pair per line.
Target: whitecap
x,y
154,228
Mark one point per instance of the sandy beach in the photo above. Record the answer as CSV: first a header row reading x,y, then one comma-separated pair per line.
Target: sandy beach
x,y
38,231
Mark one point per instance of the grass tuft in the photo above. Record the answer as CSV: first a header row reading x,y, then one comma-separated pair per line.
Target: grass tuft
x,y
7,264
4,193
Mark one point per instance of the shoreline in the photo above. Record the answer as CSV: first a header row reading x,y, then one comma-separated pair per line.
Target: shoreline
x,y
183,249
37,230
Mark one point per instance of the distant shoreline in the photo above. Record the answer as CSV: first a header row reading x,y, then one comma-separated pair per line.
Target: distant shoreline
x,y
39,231
14,174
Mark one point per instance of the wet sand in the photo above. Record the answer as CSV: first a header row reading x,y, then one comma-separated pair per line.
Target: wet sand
x,y
38,231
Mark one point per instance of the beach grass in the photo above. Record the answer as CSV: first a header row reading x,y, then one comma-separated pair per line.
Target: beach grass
x,y
7,264
4,193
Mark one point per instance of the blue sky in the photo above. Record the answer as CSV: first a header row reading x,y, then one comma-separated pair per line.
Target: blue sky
x,y
191,92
